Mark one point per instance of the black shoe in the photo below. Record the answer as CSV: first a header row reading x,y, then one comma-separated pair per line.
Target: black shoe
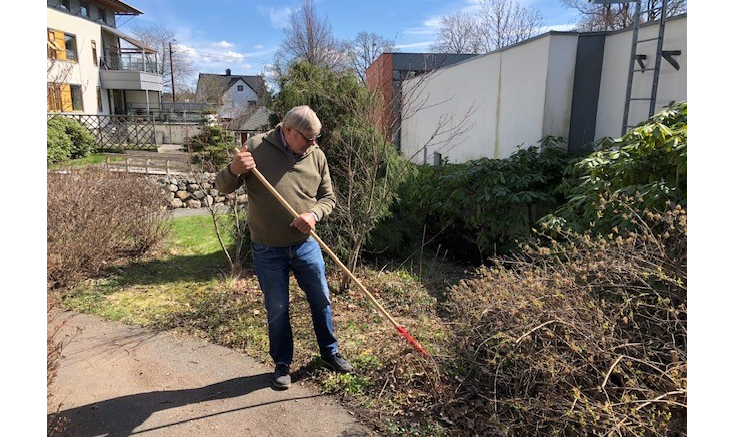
x,y
281,377
339,364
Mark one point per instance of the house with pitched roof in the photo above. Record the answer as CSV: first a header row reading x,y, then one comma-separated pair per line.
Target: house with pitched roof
x,y
232,94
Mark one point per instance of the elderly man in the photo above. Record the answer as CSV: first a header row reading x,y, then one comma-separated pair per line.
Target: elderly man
x,y
290,159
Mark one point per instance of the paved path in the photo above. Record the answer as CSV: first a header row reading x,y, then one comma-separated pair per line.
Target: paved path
x,y
117,380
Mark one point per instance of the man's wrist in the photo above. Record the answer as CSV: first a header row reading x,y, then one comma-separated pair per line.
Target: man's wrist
x,y
316,217
229,168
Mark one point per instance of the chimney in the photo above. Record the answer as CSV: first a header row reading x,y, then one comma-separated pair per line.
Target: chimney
x,y
228,72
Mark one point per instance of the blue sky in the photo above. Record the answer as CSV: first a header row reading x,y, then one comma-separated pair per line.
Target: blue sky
x,y
244,35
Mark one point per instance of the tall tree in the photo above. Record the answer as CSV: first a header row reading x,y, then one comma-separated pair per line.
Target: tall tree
x,y
595,17
365,49
309,38
498,23
459,33
164,42
506,22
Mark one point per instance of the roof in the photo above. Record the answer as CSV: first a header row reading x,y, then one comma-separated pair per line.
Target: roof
x,y
127,38
255,122
118,7
223,82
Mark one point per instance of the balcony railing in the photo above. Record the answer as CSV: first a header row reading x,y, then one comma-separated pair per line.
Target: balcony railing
x,y
132,61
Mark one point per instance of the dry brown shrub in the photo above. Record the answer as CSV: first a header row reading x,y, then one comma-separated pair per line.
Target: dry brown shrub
x,y
55,424
95,216
585,336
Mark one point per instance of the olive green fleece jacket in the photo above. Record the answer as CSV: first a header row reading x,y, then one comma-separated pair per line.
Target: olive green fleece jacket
x,y
306,185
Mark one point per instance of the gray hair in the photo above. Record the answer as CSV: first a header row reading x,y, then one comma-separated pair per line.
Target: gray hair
x,y
304,119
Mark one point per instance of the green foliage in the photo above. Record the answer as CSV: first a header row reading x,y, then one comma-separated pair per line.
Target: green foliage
x,y
366,169
67,138
58,144
482,206
212,147
336,97
648,163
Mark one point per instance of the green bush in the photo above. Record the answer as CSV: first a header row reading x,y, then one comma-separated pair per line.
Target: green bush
x,y
480,207
81,142
213,147
646,167
58,144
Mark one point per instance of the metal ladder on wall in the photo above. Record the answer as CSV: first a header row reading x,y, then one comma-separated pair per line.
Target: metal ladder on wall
x,y
636,58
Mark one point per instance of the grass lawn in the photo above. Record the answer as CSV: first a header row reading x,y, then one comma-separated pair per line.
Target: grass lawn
x,y
93,159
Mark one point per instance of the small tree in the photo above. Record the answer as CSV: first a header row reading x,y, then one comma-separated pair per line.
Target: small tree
x,y
212,147
366,168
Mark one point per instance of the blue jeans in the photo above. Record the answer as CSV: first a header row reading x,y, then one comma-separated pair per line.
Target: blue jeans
x,y
272,266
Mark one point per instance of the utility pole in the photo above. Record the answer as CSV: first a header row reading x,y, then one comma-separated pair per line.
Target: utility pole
x,y
171,61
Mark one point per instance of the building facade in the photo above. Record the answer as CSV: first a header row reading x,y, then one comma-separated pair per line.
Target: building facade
x,y
386,74
92,67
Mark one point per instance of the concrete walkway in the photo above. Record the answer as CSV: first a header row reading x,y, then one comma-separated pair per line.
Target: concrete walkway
x,y
117,380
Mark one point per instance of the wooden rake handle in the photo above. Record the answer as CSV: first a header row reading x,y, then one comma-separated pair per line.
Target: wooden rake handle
x,y
344,268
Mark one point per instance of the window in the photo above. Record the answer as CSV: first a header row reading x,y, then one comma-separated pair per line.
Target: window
x,y
102,15
84,9
76,98
60,45
239,87
63,97
64,4
70,44
99,100
94,53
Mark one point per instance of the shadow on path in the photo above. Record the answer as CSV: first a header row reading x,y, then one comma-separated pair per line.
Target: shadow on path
x,y
119,417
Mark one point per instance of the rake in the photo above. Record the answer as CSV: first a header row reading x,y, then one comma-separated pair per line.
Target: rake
x,y
344,268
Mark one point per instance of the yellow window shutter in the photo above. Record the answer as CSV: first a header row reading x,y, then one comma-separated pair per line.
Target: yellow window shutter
x,y
66,104
61,43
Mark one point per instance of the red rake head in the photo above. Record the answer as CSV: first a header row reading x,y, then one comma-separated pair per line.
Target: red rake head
x,y
411,340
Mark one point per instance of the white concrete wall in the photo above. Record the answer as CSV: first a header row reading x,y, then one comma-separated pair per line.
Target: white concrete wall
x,y
559,86
672,83
490,105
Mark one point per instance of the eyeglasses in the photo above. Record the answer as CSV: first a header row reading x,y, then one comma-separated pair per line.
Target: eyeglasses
x,y
308,140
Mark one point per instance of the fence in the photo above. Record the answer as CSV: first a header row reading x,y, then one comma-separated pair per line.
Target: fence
x,y
150,162
118,132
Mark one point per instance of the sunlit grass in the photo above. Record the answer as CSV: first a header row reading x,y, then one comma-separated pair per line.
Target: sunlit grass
x,y
186,286
93,159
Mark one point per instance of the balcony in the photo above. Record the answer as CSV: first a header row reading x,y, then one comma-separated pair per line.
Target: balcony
x,y
130,69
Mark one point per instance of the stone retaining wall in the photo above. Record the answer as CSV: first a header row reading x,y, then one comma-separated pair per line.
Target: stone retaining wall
x,y
195,190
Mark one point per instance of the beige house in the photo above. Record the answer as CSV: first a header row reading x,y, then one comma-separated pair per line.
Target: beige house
x,y
92,67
